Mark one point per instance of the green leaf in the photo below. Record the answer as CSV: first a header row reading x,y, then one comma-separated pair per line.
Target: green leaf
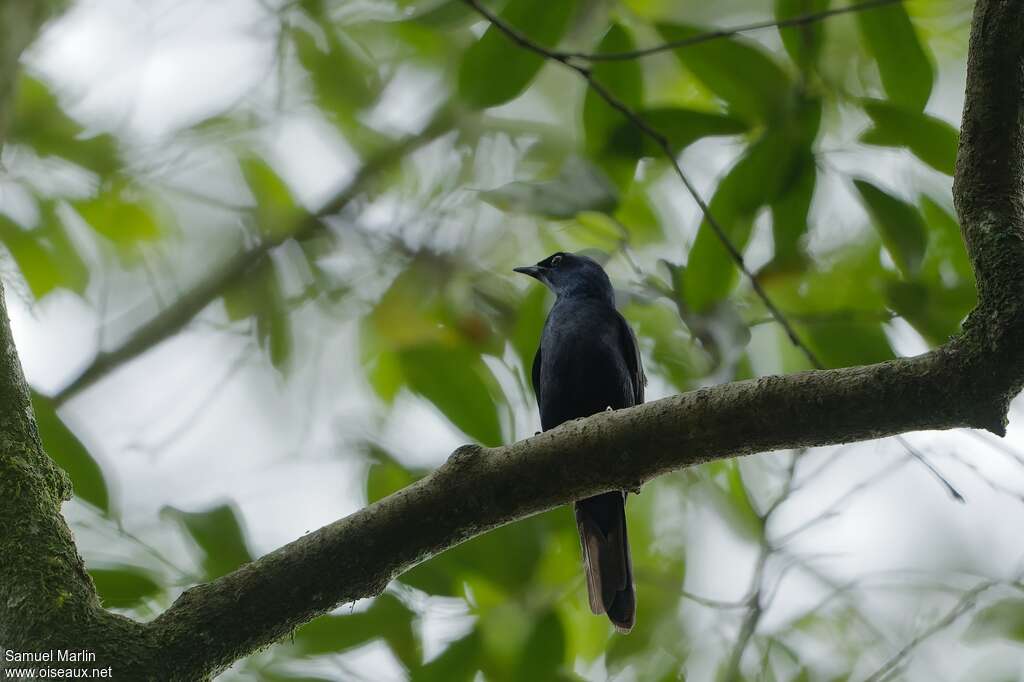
x,y
657,625
738,71
906,69
625,80
518,544
756,180
277,213
410,312
531,311
124,219
681,127
803,43
124,587
930,139
343,82
387,618
851,280
1004,619
260,296
386,475
494,70
218,533
544,651
900,225
847,343
639,217
944,291
580,186
40,123
457,663
45,255
670,354
459,384
790,216
733,500
70,454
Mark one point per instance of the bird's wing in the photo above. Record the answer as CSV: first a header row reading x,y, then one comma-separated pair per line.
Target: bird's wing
x,y
631,352
536,374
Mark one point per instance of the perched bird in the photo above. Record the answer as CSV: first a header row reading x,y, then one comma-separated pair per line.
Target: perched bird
x,y
588,362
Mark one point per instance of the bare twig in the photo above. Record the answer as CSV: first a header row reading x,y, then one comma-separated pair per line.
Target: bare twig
x,y
755,602
801,20
238,267
663,144
962,606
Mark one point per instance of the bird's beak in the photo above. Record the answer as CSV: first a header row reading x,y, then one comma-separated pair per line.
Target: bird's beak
x,y
535,271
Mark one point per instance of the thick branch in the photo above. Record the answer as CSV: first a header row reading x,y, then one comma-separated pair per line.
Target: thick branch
x,y
987,187
42,579
481,489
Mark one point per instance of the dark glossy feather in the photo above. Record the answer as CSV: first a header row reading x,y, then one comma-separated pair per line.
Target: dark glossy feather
x,y
589,361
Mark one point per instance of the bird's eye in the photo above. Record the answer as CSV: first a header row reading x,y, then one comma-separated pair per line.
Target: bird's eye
x,y
556,260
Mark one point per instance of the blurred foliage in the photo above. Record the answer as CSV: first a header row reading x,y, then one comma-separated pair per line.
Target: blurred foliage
x,y
418,262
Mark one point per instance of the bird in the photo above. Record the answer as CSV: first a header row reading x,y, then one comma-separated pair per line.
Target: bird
x,y
588,361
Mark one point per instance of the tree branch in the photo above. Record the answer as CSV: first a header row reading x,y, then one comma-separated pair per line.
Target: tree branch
x,y
966,383
480,489
801,20
192,302
19,23
665,147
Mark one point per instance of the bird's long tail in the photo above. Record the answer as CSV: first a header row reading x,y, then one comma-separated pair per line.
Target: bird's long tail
x,y
601,521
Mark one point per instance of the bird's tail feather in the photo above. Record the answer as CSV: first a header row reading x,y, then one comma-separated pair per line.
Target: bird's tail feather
x,y
601,521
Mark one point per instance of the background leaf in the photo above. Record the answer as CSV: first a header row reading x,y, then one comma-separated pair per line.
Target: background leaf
x,y
124,587
803,42
459,384
490,73
906,69
45,255
742,74
900,225
1003,619
387,618
70,454
218,534
580,186
930,139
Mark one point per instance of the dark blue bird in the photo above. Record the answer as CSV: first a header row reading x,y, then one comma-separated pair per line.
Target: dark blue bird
x,y
588,362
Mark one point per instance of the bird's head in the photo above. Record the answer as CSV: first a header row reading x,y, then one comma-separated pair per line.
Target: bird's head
x,y
570,274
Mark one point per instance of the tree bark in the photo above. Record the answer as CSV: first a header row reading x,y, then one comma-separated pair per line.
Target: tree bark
x,y
968,382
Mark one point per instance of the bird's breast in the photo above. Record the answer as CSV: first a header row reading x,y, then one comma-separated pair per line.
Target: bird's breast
x,y
582,369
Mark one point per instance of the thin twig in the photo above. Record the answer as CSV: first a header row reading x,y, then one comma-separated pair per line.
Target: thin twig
x,y
833,509
755,603
916,454
240,265
963,605
801,20
663,144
